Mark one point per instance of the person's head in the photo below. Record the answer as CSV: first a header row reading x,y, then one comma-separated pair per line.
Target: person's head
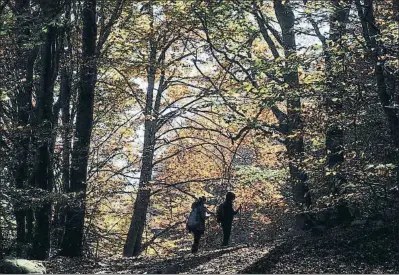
x,y
202,199
230,196
303,176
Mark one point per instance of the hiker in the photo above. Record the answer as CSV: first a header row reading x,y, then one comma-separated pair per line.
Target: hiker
x,y
225,215
196,222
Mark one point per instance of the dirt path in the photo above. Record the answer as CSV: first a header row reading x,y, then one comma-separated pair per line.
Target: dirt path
x,y
215,261
231,262
343,250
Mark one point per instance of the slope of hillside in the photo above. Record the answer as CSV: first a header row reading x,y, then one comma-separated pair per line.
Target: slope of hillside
x,y
340,250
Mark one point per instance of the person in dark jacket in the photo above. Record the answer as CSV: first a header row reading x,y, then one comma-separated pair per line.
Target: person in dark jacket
x,y
199,230
228,216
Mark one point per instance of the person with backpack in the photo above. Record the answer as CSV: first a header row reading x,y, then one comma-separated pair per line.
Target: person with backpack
x,y
196,222
225,215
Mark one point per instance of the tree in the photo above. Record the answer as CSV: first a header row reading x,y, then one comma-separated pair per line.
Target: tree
x,y
294,142
105,107
160,42
384,76
261,72
49,57
24,67
72,243
73,236
334,70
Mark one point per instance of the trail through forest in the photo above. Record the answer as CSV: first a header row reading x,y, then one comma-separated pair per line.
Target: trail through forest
x,y
228,260
117,117
357,249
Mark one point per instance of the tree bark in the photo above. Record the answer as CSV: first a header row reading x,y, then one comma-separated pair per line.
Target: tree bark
x,y
66,89
65,100
72,244
371,34
43,173
26,59
294,140
134,238
334,99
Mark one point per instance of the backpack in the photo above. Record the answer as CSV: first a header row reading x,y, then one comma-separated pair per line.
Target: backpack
x,y
193,219
219,213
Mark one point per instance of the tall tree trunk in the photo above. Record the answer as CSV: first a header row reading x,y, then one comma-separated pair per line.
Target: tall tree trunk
x,y
43,175
2,244
65,101
66,96
26,59
134,238
334,99
72,243
66,88
371,34
396,81
294,141
55,238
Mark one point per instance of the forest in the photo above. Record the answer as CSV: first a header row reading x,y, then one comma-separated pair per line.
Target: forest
x,y
117,115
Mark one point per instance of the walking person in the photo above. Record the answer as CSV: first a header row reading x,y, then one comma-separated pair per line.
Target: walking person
x,y
225,216
196,222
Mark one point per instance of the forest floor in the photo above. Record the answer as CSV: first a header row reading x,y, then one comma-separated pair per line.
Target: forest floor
x,y
340,250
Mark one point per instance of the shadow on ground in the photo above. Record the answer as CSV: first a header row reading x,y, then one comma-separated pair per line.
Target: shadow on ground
x,y
137,265
361,250
185,263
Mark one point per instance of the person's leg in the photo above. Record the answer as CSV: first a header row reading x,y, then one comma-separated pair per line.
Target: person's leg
x,y
197,237
226,233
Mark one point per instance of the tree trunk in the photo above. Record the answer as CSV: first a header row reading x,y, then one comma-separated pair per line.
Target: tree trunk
x,y
334,98
26,58
29,225
66,89
371,34
134,238
63,105
43,176
294,140
65,100
72,243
